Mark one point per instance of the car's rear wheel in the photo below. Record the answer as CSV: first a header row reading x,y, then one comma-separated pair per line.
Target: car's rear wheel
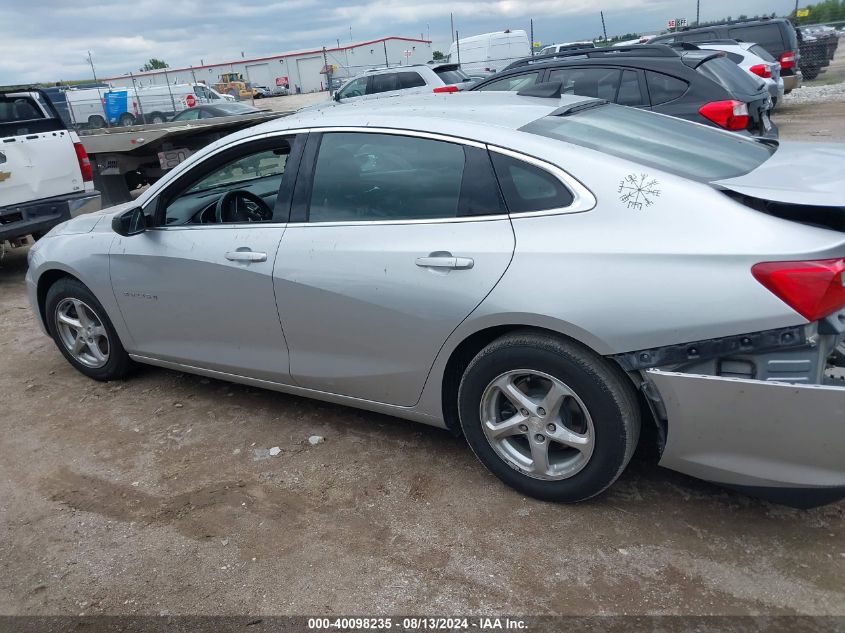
x,y
83,332
548,416
157,117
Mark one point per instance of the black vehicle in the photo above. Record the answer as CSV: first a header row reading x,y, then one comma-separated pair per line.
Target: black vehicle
x,y
698,85
817,50
776,35
216,110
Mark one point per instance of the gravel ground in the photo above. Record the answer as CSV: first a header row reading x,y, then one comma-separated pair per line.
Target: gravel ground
x,y
160,495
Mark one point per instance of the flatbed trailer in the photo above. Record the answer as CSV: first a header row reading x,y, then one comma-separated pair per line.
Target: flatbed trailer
x,y
125,158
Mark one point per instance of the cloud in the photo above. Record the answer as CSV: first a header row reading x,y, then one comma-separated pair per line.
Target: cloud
x,y
47,40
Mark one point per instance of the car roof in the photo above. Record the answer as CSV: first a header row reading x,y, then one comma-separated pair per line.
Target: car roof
x,y
464,114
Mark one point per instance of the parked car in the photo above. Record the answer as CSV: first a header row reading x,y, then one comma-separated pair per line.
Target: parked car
x,y
262,92
489,52
211,111
569,46
818,46
776,35
45,175
753,59
389,82
543,275
702,86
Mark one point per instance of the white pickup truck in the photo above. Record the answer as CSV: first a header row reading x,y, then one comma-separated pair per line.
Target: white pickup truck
x,y
45,174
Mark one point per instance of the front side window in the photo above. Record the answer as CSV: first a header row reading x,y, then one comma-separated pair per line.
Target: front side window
x,y
247,185
528,188
187,115
511,84
356,88
384,83
360,176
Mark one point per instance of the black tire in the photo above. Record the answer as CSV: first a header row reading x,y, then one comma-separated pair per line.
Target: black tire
x,y
95,121
810,73
605,391
126,120
118,364
157,117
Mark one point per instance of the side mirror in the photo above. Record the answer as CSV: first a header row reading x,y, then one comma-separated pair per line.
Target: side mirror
x,y
130,222
336,96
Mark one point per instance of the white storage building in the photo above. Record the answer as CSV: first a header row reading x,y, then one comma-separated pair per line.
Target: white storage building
x,y
302,69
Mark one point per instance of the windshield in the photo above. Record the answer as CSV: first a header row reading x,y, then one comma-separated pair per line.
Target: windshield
x,y
452,76
674,145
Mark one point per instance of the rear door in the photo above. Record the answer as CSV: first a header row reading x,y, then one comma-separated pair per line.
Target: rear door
x,y
394,239
37,157
616,85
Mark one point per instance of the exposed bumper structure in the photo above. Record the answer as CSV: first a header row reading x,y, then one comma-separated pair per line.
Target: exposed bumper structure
x,y
42,215
781,441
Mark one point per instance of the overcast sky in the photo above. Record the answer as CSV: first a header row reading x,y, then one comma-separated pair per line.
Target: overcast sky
x,y
47,40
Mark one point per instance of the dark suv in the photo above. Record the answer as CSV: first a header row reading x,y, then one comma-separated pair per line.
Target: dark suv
x,y
776,35
699,85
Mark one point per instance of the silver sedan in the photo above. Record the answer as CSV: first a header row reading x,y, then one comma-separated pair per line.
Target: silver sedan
x,y
543,275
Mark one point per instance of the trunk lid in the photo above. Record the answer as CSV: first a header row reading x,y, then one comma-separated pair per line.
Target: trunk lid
x,y
797,173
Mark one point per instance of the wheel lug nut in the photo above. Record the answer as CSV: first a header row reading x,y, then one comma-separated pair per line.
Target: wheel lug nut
x,y
551,428
540,438
523,428
524,412
541,411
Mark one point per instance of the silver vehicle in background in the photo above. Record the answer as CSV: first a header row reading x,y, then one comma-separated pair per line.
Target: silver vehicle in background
x,y
755,60
542,274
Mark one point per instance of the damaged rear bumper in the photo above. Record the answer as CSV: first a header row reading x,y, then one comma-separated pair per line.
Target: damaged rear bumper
x,y
776,440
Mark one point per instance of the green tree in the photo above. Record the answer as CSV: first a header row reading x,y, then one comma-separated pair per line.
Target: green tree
x,y
437,56
154,64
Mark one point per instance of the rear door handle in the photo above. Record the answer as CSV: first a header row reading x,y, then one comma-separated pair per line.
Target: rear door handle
x,y
445,261
246,256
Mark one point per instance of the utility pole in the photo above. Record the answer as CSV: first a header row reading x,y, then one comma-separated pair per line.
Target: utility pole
x,y
138,97
386,62
170,91
452,26
458,41
100,94
532,37
698,11
603,27
328,72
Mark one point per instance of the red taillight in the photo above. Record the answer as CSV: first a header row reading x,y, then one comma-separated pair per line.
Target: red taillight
x,y
814,289
762,70
787,60
447,89
84,162
731,115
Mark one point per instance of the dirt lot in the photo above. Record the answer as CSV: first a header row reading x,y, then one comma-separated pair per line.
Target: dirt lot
x,y
157,495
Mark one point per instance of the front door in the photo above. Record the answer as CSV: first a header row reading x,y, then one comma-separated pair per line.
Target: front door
x,y
197,288
394,240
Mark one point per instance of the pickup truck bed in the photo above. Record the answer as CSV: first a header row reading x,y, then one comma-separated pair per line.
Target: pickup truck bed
x,y
45,175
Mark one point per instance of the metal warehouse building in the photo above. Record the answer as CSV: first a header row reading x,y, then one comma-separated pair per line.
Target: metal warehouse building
x,y
300,69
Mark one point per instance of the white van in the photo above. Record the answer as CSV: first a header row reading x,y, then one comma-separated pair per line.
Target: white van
x,y
490,52
94,107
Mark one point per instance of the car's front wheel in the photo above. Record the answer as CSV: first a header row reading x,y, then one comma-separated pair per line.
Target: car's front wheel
x,y
548,416
83,332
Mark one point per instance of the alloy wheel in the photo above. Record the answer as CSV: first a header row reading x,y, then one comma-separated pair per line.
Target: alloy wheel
x,y
537,424
82,333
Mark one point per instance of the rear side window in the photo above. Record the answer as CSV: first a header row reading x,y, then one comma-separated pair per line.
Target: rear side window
x,y
698,36
629,89
511,84
384,83
16,109
356,88
730,76
736,58
762,53
372,177
528,188
766,35
451,75
588,82
410,80
664,88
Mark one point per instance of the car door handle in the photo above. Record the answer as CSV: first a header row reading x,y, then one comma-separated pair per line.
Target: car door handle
x,y
246,256
445,261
